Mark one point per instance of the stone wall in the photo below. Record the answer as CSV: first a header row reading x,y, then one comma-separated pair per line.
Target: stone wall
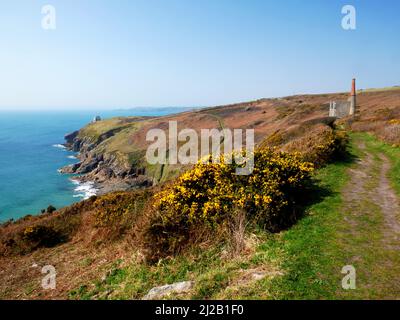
x,y
339,109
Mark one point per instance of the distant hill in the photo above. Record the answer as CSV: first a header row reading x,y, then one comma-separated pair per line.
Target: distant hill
x,y
113,150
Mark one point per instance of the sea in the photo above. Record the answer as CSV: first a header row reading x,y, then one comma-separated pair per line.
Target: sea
x,y
32,151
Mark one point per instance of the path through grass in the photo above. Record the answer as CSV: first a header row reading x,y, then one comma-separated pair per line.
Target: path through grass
x,y
348,227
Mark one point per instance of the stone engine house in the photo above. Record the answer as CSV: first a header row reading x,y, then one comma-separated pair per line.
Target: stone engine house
x,y
341,109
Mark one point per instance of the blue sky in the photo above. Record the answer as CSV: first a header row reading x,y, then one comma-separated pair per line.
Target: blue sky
x,y
112,54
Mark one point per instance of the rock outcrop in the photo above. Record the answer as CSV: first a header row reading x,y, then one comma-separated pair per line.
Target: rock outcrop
x,y
70,138
103,168
164,291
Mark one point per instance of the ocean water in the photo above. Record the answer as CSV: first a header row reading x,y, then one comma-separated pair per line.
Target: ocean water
x,y
31,153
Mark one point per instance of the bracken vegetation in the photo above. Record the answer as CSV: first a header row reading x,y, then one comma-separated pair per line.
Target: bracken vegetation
x,y
321,145
116,213
318,142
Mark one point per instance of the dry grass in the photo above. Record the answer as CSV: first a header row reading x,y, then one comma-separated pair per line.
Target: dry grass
x,y
237,233
86,249
317,140
391,134
76,264
387,130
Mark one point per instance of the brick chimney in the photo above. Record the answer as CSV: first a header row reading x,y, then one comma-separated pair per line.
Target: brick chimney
x,y
353,99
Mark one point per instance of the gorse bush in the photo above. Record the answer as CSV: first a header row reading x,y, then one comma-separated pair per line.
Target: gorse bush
x,y
116,213
394,121
332,145
320,145
208,195
112,208
41,236
42,231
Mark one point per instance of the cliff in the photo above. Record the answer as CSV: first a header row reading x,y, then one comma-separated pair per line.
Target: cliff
x,y
112,152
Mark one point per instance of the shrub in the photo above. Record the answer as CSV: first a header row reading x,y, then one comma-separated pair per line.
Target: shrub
x,y
275,139
367,126
391,133
114,213
385,113
51,209
320,145
110,209
34,232
209,193
41,236
394,122
388,130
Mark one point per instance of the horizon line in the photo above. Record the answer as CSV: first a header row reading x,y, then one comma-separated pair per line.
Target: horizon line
x,y
110,108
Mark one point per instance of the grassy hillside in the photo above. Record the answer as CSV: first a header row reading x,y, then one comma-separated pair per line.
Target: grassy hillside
x,y
304,262
295,262
288,122
285,233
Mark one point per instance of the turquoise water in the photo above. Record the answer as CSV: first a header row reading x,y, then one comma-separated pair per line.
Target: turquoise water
x,y
30,157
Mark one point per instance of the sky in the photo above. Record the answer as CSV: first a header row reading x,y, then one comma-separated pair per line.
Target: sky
x,y
123,54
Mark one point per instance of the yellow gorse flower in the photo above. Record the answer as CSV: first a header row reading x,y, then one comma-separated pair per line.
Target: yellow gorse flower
x,y
212,191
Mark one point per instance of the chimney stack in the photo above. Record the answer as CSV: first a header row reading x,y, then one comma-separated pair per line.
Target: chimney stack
x,y
353,99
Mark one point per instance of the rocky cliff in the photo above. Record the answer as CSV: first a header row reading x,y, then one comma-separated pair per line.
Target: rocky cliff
x,y
109,169
112,152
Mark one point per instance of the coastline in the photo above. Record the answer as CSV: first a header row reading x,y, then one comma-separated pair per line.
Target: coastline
x,y
84,190
96,173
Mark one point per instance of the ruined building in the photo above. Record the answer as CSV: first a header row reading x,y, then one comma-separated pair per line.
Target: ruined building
x,y
340,109
96,119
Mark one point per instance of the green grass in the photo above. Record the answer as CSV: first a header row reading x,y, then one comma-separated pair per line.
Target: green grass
x,y
308,251
378,89
95,130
